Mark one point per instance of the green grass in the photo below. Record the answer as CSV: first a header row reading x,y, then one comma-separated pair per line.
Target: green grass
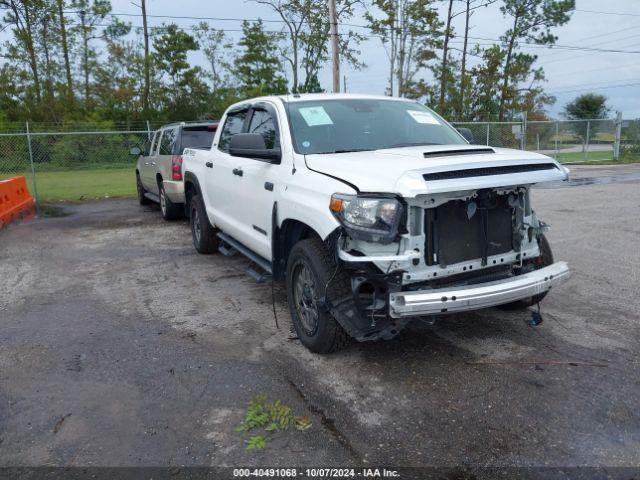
x,y
594,158
570,157
79,185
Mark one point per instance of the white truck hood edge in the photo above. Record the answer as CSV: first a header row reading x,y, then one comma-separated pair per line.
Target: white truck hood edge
x,y
401,170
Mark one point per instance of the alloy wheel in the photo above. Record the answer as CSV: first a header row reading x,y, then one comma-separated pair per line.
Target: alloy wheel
x,y
163,201
197,228
304,294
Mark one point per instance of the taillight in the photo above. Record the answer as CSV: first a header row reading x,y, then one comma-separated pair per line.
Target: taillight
x,y
176,167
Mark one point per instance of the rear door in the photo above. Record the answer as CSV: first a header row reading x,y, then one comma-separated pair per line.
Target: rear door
x,y
162,162
147,171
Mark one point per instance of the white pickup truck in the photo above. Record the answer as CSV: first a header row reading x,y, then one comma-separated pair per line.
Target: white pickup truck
x,y
374,210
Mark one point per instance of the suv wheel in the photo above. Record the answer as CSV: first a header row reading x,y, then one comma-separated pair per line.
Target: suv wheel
x,y
310,269
142,200
544,260
170,211
204,234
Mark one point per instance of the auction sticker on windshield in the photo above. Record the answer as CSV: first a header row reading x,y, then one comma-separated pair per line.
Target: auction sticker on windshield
x,y
315,116
421,116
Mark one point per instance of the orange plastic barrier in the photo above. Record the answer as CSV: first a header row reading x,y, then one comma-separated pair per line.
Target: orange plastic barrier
x,y
15,200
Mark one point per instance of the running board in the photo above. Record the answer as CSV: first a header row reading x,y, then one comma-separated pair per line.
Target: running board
x,y
251,255
227,250
152,196
259,276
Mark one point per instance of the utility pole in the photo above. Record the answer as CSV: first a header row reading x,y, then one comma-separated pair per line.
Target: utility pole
x,y
145,93
618,136
335,45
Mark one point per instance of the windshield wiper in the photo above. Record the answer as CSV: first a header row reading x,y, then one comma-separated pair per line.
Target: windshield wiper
x,y
348,150
409,144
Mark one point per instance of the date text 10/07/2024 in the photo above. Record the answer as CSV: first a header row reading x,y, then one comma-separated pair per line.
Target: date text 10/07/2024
x,y
316,473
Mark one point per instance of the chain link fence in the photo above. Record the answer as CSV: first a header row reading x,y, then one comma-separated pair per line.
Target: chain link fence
x,y
90,161
568,141
72,166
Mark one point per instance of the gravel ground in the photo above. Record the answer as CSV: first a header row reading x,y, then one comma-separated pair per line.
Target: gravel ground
x,y
121,346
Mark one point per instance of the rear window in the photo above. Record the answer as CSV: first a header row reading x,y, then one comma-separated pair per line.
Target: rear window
x,y
197,137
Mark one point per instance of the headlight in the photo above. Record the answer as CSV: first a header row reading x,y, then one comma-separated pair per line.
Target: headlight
x,y
373,219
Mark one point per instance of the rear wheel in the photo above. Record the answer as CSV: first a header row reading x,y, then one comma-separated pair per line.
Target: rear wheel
x,y
544,260
169,210
142,200
204,235
310,269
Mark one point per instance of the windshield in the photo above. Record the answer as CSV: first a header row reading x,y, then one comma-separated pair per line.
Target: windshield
x,y
346,125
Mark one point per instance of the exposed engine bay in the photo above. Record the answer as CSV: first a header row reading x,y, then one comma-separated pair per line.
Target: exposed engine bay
x,y
451,240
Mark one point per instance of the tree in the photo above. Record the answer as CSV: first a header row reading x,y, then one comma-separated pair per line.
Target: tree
x,y
91,13
410,34
306,37
186,90
469,7
217,48
22,15
65,48
444,73
484,101
117,83
589,106
531,21
258,68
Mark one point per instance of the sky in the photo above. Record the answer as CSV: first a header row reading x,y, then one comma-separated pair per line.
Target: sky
x,y
569,73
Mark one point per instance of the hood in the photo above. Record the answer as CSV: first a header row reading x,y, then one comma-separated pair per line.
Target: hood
x,y
411,171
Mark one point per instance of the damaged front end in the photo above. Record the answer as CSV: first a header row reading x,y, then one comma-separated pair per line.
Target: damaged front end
x,y
436,253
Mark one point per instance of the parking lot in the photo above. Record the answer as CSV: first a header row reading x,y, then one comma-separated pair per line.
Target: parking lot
x,y
120,345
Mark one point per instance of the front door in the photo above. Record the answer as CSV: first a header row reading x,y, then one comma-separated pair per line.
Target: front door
x,y
259,180
224,188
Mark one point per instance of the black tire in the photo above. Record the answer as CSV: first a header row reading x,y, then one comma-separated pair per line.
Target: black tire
x,y
204,234
322,333
142,200
168,209
544,260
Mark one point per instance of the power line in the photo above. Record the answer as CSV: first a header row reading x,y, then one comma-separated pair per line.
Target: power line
x,y
599,69
598,88
622,14
608,34
523,44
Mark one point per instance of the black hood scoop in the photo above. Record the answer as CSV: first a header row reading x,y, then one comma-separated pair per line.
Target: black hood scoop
x,y
459,151
486,171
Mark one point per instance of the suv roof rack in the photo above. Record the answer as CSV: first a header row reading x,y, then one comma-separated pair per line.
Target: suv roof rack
x,y
191,122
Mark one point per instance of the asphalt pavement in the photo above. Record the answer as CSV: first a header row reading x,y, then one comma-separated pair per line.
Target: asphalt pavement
x,y
121,346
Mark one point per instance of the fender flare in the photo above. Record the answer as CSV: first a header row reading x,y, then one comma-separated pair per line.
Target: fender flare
x,y
190,177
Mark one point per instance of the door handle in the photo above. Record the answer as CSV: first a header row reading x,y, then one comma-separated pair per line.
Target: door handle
x,y
238,171
209,164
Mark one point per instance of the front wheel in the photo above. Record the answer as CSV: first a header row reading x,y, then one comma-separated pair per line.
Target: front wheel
x,y
142,199
170,210
544,260
311,272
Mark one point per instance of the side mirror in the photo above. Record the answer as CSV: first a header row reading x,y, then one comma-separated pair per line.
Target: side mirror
x,y
135,151
251,145
467,134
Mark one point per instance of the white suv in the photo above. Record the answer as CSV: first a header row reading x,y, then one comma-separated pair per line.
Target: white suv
x,y
159,167
373,209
